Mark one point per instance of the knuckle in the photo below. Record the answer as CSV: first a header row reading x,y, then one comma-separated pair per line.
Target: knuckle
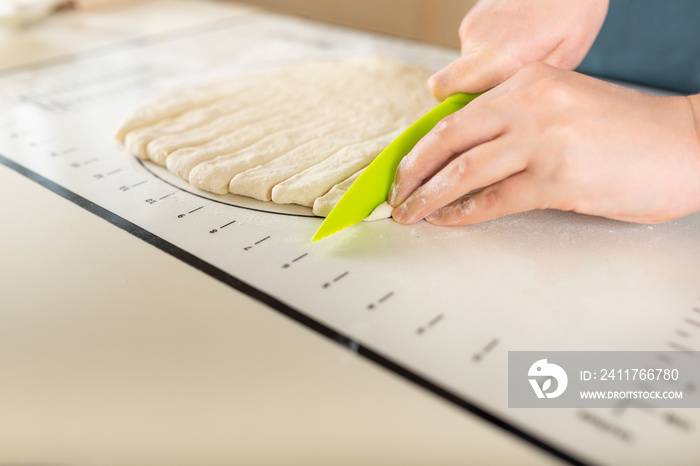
x,y
441,136
560,94
491,197
459,212
464,26
461,167
488,202
438,81
443,126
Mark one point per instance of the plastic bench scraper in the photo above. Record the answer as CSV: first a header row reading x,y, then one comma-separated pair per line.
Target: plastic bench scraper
x,y
372,187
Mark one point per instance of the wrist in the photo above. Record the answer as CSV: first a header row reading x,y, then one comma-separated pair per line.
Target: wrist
x,y
695,111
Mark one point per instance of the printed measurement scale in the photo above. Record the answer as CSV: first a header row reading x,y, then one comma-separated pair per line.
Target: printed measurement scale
x,y
440,306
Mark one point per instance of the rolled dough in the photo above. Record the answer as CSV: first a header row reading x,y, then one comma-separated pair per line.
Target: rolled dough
x,y
295,135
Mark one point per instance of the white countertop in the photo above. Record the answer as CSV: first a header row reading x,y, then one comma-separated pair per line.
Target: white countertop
x,y
126,355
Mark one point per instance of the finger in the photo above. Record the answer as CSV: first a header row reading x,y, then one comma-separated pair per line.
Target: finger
x,y
455,134
475,71
518,193
481,166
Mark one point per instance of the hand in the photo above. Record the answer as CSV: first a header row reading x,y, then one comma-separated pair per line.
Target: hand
x,y
499,37
549,138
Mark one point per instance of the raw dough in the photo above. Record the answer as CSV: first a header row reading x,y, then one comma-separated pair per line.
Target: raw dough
x,y
380,212
296,135
323,205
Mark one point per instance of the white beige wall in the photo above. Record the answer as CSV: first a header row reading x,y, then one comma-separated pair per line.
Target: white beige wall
x,y
433,21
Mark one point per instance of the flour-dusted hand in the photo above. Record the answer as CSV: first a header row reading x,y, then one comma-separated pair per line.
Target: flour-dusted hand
x,y
499,37
550,138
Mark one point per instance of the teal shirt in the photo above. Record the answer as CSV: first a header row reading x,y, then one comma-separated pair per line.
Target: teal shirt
x,y
650,42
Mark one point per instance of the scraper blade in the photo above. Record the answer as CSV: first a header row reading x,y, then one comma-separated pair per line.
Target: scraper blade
x,y
372,186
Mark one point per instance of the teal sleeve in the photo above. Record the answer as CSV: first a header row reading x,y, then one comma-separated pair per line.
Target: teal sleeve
x,y
650,42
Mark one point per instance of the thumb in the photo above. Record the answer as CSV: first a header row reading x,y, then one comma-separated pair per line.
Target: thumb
x,y
473,72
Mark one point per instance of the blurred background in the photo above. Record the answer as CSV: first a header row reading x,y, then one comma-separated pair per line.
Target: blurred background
x,y
431,21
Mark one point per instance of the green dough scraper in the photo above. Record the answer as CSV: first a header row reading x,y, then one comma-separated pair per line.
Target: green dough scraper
x,y
372,187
